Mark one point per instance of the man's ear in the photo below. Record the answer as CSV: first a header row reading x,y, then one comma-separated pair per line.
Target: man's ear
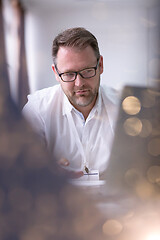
x,y
55,72
101,64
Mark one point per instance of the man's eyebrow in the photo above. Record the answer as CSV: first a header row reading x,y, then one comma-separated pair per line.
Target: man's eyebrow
x,y
68,71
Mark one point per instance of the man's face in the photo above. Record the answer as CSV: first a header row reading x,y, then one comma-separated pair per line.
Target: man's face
x,y
81,92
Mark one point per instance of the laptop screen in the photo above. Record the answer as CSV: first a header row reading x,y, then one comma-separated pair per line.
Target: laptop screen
x,y
134,164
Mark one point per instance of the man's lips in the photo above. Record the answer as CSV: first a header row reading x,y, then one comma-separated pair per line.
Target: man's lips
x,y
81,92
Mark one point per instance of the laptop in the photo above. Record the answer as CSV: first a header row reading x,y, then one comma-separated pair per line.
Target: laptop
x,y
135,157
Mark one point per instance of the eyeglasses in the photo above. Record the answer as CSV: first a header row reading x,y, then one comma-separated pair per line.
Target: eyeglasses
x,y
85,73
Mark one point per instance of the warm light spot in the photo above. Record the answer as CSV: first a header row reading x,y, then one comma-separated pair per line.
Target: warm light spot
x,y
144,189
153,174
154,147
133,126
112,227
131,105
154,236
132,176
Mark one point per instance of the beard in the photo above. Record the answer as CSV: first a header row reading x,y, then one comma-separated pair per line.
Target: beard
x,y
83,96
83,99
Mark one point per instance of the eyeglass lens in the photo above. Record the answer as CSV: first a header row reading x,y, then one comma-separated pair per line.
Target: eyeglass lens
x,y
87,73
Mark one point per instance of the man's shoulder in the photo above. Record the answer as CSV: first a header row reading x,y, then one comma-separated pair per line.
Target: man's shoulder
x,y
44,98
45,93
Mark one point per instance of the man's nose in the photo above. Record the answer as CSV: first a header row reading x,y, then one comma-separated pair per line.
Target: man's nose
x,y
79,81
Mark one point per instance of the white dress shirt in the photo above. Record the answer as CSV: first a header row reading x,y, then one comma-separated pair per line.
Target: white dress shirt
x,y
65,131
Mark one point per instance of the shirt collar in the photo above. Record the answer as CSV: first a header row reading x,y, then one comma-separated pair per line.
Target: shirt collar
x,y
67,106
98,105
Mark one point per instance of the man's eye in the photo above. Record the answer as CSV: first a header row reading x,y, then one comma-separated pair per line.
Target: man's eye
x,y
68,74
88,70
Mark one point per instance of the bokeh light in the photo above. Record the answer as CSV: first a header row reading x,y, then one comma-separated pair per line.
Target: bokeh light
x,y
112,227
144,189
132,126
153,236
132,176
131,105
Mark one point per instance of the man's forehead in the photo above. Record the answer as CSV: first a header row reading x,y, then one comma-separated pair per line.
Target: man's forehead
x,y
73,60
70,52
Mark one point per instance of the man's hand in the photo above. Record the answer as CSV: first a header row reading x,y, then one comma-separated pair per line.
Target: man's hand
x,y
63,162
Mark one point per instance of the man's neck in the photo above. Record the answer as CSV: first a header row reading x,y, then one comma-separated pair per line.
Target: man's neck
x,y
86,110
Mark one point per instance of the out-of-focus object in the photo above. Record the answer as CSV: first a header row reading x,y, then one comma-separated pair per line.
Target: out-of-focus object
x,y
132,189
35,202
136,147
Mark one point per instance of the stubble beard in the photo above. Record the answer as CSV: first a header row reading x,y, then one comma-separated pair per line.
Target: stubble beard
x,y
83,100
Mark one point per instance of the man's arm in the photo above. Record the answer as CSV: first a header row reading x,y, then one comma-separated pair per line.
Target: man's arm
x,y
62,163
30,113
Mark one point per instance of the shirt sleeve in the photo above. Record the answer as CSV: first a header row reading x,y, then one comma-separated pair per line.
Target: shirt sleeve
x,y
32,114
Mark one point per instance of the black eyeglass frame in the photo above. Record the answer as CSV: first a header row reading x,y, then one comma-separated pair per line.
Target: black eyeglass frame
x,y
79,72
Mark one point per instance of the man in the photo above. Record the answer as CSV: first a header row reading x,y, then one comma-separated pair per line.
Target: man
x,y
75,118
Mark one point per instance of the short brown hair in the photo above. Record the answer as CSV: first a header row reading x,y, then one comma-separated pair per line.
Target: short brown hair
x,y
75,37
